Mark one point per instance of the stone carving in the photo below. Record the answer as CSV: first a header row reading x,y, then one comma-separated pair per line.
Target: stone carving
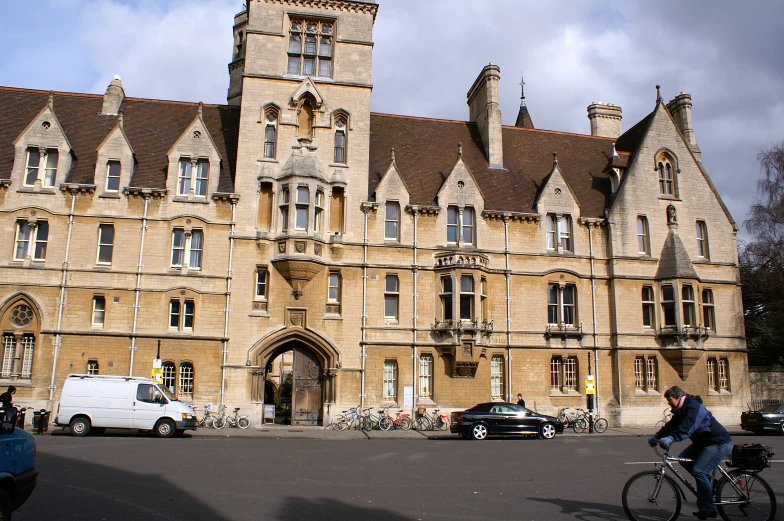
x,y
672,215
317,249
21,315
282,247
297,318
300,246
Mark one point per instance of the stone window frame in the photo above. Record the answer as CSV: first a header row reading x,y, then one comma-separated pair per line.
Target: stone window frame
x,y
564,375
467,295
425,378
388,381
92,367
497,380
169,375
33,241
98,311
670,305
103,245
193,177
643,236
299,54
701,235
648,307
392,296
560,306
396,221
182,314
688,306
664,158
302,208
42,168
447,297
459,226
646,375
708,308
270,117
319,210
334,292
186,380
557,233
718,372
187,248
109,164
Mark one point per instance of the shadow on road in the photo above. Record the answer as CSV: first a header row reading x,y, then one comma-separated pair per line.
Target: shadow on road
x,y
299,509
75,489
586,510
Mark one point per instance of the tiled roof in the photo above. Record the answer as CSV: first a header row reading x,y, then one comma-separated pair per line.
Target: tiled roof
x,y
152,128
426,151
674,260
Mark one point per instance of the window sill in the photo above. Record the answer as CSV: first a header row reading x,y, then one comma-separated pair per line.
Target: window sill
x,y
559,394
195,200
338,165
105,267
110,195
427,402
267,159
560,253
391,322
702,260
639,392
332,316
31,190
390,402
258,314
16,382
719,393
666,197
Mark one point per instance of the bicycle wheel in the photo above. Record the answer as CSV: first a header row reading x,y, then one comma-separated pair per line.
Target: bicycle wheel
x,y
563,419
385,423
639,503
421,423
404,423
243,422
580,425
336,420
218,422
759,501
600,425
367,424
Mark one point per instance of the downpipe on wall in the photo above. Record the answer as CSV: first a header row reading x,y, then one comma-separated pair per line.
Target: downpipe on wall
x,y
138,290
226,311
508,313
363,354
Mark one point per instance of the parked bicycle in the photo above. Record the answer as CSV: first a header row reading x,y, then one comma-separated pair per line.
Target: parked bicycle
x,y
350,419
574,419
401,421
235,420
370,420
433,421
741,493
582,424
207,420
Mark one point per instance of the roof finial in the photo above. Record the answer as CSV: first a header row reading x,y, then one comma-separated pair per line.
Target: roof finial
x,y
555,159
393,155
658,94
522,90
120,119
615,152
460,150
201,108
51,100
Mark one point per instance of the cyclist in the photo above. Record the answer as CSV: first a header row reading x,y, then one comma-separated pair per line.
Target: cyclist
x,y
711,443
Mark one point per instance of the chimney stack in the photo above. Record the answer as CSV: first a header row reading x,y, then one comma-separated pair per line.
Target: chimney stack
x,y
605,119
113,98
680,108
483,110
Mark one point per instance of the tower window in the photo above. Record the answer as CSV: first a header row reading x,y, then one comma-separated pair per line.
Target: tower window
x,y
310,48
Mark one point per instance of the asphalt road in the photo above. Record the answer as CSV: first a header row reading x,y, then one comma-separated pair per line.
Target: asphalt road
x,y
233,479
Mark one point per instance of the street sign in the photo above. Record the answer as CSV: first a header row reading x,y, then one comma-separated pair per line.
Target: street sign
x,y
590,385
157,370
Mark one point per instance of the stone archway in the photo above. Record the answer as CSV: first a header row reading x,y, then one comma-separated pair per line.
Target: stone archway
x,y
20,326
314,365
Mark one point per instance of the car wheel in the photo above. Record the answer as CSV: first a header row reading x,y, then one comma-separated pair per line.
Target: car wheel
x,y
547,431
80,426
479,431
5,505
781,428
164,428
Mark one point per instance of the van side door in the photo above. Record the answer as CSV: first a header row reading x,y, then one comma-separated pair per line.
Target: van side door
x,y
148,406
111,405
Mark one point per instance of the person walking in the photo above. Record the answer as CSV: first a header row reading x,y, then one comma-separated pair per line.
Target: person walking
x,y
520,400
711,443
7,398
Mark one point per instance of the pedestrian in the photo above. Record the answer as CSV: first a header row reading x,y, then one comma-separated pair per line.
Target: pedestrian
x,y
520,400
711,443
7,398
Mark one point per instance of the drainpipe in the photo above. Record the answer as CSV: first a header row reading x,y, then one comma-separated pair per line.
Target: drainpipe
x,y
363,355
593,306
138,289
507,275
58,339
226,311
415,316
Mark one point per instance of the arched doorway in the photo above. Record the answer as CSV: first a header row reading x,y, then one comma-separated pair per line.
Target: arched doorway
x,y
301,364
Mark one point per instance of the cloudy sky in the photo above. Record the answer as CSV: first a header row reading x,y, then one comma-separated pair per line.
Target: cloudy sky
x,y
726,54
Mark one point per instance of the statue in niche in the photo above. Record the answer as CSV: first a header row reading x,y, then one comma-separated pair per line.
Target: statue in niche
x,y
672,215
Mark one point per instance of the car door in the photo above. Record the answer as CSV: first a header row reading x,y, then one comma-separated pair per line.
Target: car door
x,y
495,419
148,405
515,419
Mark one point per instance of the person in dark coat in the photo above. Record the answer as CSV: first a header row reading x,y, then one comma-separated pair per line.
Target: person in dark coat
x,y
7,398
520,400
710,443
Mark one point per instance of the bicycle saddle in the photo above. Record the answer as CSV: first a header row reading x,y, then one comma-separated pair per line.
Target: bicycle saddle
x,y
236,408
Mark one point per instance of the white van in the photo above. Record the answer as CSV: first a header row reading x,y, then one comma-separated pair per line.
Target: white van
x,y
93,403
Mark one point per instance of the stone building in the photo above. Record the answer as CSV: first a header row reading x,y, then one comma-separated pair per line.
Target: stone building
x,y
391,260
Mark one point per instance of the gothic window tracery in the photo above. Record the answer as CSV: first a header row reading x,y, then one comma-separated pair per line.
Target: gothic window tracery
x,y
311,46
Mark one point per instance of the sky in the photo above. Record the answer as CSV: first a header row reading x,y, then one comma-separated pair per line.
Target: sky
x,y
726,54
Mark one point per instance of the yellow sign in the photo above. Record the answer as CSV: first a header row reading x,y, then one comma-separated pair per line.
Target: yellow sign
x,y
590,386
157,371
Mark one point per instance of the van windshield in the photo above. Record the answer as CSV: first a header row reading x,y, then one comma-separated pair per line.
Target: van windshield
x,y
167,393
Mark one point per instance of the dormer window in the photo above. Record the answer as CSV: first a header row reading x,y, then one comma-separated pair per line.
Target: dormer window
x,y
310,48
113,171
41,165
195,173
460,226
558,232
468,226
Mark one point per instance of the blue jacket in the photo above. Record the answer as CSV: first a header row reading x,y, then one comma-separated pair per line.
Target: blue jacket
x,y
695,422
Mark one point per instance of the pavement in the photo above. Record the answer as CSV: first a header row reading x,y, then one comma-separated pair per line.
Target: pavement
x,y
328,433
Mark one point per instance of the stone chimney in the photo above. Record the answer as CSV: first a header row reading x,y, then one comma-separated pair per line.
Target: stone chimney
x,y
483,110
605,119
113,98
680,108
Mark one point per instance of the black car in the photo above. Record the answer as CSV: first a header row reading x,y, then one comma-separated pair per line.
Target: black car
x,y
768,418
505,419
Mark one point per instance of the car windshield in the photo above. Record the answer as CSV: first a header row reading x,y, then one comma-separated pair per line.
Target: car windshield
x,y
770,408
167,393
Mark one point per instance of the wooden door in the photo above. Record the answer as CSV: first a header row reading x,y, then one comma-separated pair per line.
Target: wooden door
x,y
307,388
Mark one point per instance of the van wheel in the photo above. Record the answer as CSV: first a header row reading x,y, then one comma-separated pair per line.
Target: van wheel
x,y
5,505
80,426
164,429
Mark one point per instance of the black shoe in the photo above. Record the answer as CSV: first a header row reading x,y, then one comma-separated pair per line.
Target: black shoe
x,y
705,515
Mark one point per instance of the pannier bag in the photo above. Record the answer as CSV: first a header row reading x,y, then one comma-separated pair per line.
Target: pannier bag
x,y
750,456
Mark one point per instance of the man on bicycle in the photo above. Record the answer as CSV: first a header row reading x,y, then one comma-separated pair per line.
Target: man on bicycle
x,y
711,443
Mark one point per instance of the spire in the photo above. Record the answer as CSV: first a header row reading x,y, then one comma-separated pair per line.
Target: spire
x,y
523,117
658,93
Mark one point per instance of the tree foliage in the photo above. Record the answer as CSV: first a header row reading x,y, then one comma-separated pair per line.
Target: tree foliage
x,y
762,263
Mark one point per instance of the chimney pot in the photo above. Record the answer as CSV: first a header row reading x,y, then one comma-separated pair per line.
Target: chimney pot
x,y
483,110
605,119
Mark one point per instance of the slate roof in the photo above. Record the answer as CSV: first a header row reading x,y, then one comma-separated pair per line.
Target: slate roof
x,y
152,128
426,151
524,118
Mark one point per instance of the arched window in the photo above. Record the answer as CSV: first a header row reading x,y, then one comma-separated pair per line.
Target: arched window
x,y
169,375
665,168
19,326
185,387
270,131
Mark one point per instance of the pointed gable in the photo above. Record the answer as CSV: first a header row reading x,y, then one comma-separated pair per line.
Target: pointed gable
x,y
392,185
674,260
556,195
